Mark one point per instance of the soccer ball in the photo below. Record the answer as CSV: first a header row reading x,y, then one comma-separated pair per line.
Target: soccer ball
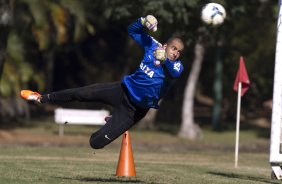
x,y
213,14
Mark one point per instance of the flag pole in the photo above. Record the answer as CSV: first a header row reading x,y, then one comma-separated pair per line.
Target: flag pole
x,y
238,123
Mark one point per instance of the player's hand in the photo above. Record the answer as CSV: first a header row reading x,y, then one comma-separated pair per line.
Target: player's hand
x,y
160,54
150,22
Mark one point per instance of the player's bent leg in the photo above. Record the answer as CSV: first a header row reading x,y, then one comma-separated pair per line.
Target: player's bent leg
x,y
106,135
123,118
110,131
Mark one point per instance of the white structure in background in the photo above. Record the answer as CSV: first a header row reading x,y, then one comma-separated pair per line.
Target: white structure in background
x,y
79,117
276,121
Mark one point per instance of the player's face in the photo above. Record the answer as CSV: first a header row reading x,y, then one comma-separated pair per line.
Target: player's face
x,y
173,49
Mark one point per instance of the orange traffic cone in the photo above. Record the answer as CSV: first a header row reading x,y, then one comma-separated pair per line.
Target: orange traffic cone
x,y
126,162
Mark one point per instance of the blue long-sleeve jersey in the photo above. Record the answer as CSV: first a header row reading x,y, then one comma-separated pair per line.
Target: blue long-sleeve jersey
x,y
153,78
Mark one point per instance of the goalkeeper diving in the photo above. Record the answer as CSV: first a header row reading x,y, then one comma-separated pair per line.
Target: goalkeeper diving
x,y
136,93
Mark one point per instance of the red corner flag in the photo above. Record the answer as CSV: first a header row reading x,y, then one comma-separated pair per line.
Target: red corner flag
x,y
242,76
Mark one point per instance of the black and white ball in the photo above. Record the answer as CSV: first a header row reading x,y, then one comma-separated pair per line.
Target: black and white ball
x,y
213,14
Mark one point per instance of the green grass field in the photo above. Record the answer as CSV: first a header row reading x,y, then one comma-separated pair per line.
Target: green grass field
x,y
159,157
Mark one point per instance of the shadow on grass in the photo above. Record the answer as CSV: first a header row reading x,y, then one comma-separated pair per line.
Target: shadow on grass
x,y
244,177
107,180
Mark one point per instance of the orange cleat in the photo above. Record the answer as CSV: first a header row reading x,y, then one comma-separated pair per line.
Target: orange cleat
x,y
30,96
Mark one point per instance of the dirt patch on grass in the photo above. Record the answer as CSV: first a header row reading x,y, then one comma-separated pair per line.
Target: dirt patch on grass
x,y
25,138
16,138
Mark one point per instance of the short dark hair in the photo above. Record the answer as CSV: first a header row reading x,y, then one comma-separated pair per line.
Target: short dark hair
x,y
171,39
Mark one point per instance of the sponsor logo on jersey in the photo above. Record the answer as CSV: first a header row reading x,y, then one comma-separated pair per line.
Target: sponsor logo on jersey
x,y
147,70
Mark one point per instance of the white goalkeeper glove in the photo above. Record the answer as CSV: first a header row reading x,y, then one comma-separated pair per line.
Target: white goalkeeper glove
x,y
150,22
160,54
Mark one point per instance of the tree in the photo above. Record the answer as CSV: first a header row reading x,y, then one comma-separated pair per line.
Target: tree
x,y
28,46
6,17
6,21
188,128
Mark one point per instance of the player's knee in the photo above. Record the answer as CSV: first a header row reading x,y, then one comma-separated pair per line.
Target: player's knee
x,y
95,144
